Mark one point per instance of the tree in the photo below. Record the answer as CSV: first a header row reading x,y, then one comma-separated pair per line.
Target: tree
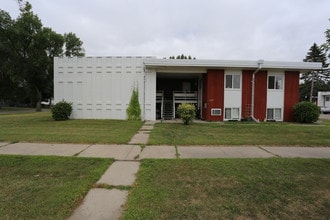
x,y
6,84
73,46
27,50
326,45
133,110
314,80
182,57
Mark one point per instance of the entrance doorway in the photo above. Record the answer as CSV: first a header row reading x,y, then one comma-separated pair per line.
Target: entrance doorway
x,y
174,89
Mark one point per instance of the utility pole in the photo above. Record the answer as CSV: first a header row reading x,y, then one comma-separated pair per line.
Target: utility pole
x,y
312,87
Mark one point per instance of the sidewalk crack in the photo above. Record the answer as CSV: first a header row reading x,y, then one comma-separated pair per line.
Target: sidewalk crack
x,y
177,154
276,155
6,145
77,154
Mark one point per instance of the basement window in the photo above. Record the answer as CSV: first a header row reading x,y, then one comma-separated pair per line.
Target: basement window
x,y
274,114
232,113
216,111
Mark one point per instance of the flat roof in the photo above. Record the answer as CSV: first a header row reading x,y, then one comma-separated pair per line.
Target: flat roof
x,y
248,64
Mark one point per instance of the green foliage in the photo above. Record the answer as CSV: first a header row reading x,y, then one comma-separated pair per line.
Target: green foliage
x,y
73,46
187,112
19,126
241,133
317,80
61,111
230,189
306,112
34,187
133,110
27,50
182,57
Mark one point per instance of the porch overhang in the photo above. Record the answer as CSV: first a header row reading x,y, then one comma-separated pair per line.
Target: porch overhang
x,y
200,64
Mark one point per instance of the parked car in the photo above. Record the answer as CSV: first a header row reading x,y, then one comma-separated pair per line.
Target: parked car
x,y
49,102
323,101
325,110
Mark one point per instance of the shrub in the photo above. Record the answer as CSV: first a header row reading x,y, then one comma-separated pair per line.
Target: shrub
x,y
306,112
133,110
61,111
186,112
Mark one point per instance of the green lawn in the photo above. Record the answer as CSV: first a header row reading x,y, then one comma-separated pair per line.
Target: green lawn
x,y
45,187
39,127
273,188
241,133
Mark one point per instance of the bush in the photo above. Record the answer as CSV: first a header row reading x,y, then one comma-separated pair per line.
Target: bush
x,y
133,110
306,112
186,112
61,111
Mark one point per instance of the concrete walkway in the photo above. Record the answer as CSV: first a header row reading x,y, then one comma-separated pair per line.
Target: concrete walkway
x,y
102,203
136,152
143,134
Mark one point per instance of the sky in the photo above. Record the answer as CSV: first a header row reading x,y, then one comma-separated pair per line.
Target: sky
x,y
280,30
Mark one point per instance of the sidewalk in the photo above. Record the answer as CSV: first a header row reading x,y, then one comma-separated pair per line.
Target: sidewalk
x,y
136,152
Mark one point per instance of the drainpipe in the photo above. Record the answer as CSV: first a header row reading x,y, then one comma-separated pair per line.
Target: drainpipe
x,y
144,97
260,62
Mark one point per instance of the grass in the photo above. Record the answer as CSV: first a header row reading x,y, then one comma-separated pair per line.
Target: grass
x,y
45,187
39,127
273,188
9,110
239,133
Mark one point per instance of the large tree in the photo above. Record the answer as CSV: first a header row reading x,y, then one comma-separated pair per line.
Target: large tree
x,y
6,82
27,50
314,81
326,45
73,46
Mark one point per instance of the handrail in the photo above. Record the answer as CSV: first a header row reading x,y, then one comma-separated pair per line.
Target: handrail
x,y
185,96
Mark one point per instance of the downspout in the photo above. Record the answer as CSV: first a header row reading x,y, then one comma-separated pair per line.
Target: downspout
x,y
260,62
144,96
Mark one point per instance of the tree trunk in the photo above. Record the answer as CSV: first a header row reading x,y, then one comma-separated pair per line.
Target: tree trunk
x,y
312,88
39,97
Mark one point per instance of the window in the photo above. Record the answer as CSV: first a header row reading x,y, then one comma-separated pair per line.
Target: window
x,y
216,111
231,113
327,98
275,82
233,81
274,114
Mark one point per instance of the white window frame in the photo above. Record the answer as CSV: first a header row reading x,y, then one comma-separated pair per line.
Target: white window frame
x,y
231,114
232,83
215,111
327,99
277,78
275,118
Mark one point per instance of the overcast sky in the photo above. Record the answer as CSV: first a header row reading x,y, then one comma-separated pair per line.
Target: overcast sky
x,y
206,29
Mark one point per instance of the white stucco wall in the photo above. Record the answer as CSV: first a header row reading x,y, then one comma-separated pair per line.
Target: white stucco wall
x,y
275,97
101,87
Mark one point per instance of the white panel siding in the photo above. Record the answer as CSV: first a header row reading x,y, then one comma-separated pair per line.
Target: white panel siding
x,y
101,87
150,96
233,97
275,97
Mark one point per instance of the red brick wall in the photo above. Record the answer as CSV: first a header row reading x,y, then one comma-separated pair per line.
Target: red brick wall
x,y
213,93
291,94
260,95
246,93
